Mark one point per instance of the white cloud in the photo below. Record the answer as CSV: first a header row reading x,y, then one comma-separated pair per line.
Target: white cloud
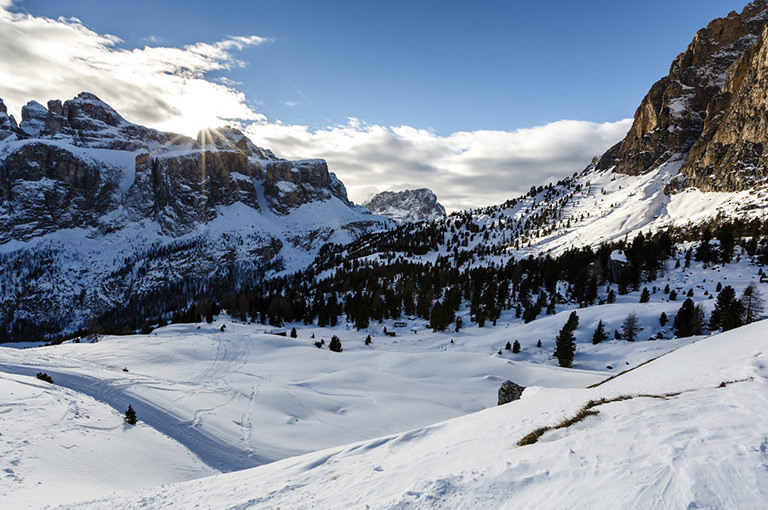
x,y
42,58
170,88
465,169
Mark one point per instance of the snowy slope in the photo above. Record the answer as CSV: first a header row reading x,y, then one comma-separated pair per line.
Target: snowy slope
x,y
694,443
242,397
57,445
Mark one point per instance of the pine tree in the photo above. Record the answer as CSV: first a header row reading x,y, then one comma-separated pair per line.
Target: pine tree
x,y
629,327
672,295
727,313
130,416
368,340
663,319
689,320
515,347
645,296
293,333
565,347
573,321
335,344
752,303
538,344
599,335
508,347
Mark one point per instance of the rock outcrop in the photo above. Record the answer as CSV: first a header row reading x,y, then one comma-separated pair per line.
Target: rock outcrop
x,y
409,205
509,392
716,70
731,153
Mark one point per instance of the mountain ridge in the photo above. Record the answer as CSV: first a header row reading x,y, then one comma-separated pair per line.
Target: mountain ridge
x,y
96,207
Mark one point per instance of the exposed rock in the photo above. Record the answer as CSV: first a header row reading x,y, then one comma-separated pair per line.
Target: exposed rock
x,y
8,127
409,205
292,183
730,154
673,114
33,116
509,392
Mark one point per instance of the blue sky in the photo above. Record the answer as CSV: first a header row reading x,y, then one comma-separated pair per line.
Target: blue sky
x,y
444,65
477,100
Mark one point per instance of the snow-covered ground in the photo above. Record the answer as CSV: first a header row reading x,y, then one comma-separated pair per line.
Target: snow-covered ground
x,y
221,401
58,445
692,436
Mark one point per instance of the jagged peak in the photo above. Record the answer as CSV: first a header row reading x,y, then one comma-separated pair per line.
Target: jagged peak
x,y
407,205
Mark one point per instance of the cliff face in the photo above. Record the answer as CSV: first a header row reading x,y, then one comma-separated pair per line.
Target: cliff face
x,y
107,213
730,154
693,98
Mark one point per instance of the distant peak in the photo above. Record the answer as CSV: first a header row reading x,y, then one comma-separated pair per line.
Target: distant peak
x,y
407,205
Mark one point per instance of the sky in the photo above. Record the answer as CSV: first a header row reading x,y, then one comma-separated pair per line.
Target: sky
x,y
476,100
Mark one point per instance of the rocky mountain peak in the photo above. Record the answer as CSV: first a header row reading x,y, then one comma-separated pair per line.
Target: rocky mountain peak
x,y
33,116
673,114
408,205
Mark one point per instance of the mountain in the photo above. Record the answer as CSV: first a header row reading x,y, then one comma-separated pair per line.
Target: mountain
x,y
98,215
408,205
709,111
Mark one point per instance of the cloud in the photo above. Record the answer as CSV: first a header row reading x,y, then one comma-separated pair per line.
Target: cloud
x,y
172,89
166,87
465,169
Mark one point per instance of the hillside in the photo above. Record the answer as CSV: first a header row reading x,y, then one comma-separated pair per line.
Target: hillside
x,y
689,435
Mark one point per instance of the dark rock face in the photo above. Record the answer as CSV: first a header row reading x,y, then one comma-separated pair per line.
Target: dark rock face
x,y
509,392
409,205
679,107
292,183
8,127
44,188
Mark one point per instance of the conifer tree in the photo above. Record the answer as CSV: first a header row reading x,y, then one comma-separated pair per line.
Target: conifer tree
x,y
630,327
689,320
573,321
645,296
752,303
565,347
508,347
335,344
599,335
130,416
515,347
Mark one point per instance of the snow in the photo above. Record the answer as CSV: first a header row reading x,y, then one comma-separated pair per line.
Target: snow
x,y
244,398
689,444
58,445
